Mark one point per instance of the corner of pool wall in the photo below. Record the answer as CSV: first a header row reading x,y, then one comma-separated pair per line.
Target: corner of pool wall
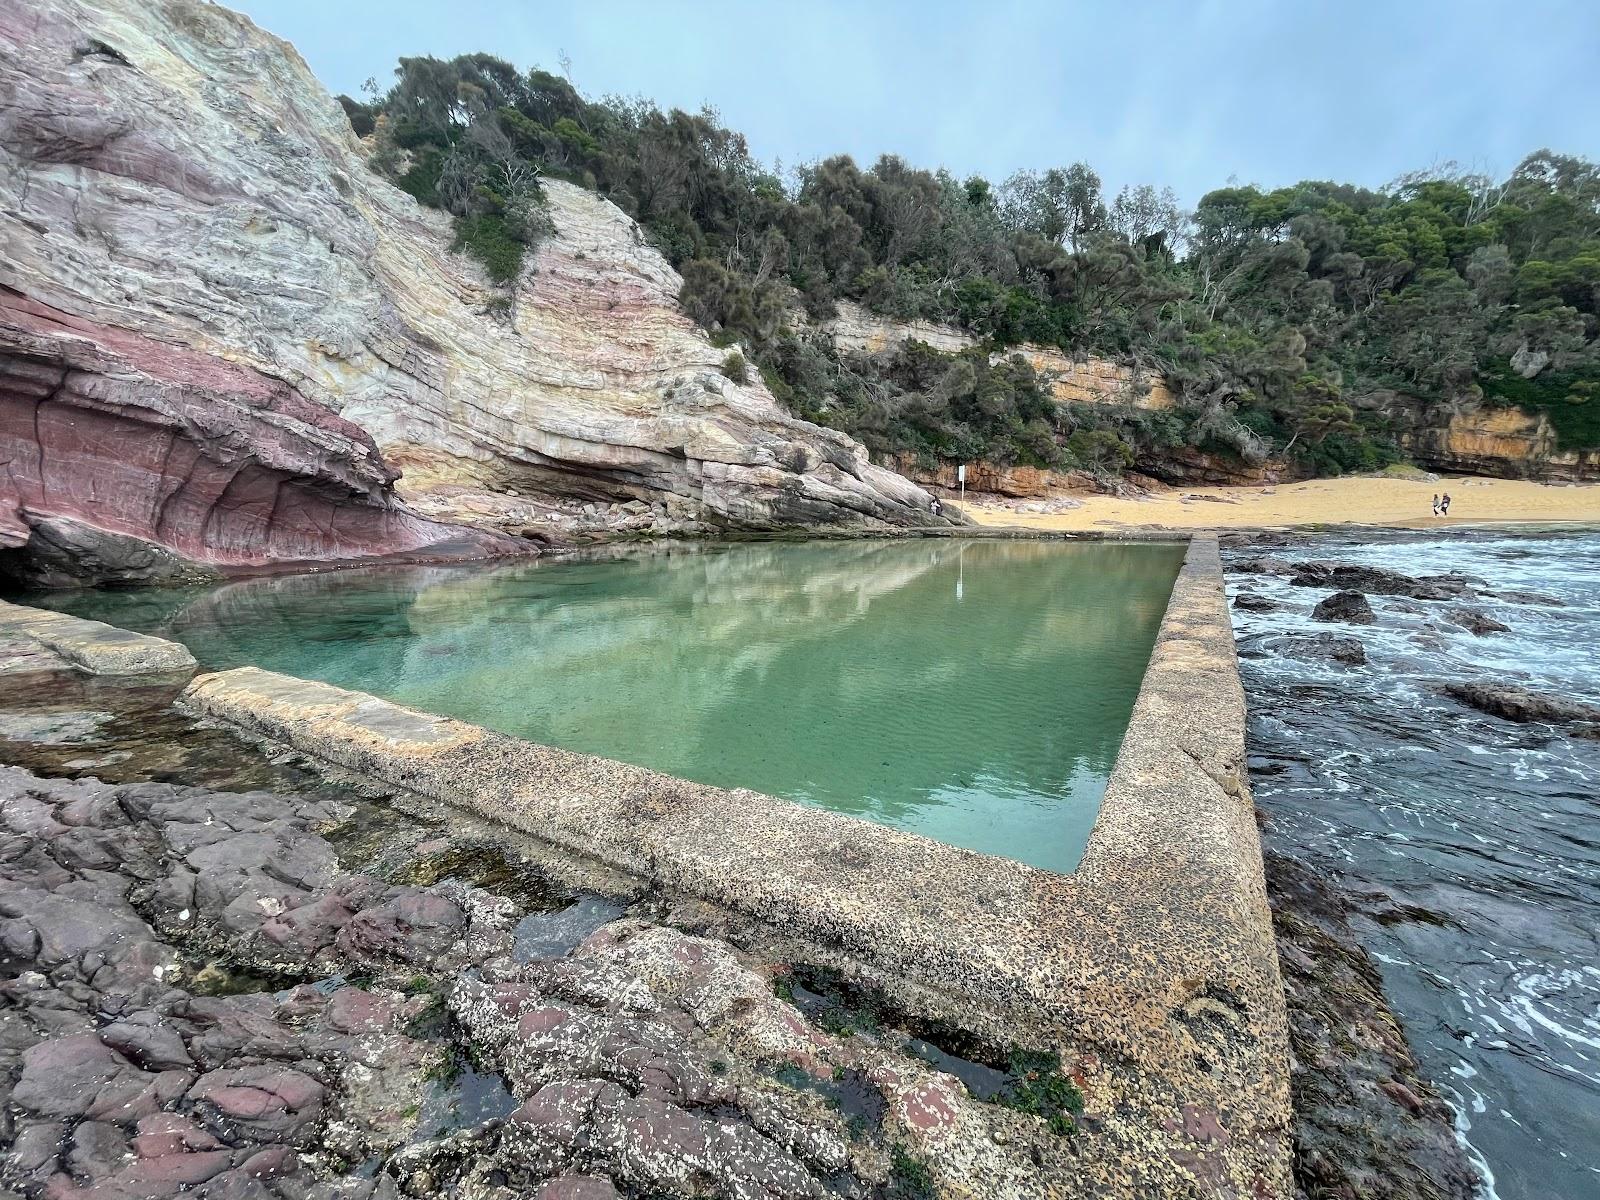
x,y
1152,966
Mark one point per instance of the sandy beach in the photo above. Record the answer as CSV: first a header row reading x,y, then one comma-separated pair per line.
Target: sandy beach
x,y
1385,501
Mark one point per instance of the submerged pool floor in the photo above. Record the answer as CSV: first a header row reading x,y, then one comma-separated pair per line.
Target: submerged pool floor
x,y
976,692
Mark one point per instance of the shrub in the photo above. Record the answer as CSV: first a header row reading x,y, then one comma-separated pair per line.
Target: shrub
x,y
735,369
489,239
422,179
1100,450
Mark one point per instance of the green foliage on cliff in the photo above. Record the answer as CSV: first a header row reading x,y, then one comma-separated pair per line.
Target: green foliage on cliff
x,y
489,238
1571,399
1311,321
446,133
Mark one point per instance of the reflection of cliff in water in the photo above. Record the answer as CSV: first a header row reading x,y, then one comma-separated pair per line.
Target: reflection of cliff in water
x,y
871,676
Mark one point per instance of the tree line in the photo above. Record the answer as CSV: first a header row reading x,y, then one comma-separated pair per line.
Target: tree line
x,y
1294,322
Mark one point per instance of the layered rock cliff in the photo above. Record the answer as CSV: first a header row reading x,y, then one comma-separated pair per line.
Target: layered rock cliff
x,y
219,331
1505,442
1072,380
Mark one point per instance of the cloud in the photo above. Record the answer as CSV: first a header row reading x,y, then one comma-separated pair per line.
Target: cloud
x,y
1158,91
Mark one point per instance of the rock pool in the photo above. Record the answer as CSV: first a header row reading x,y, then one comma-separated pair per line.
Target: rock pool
x,y
973,691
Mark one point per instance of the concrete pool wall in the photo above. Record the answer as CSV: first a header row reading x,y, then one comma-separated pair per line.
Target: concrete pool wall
x,y
1152,966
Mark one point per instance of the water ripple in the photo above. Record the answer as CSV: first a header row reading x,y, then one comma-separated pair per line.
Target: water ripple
x,y
1422,806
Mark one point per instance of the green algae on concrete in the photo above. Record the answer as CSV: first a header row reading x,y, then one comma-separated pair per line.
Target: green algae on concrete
x,y
92,646
1151,967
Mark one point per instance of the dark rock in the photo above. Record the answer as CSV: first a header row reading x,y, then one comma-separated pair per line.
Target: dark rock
x,y
1351,607
1520,704
1476,622
1531,598
1262,565
1251,602
1402,1095
1377,581
1327,646
260,1104
1345,1081
37,1146
65,553
413,927
577,1187
149,1042
80,1076
98,1149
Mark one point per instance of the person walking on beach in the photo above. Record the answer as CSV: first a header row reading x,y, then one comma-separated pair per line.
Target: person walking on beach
x,y
1444,505
1436,504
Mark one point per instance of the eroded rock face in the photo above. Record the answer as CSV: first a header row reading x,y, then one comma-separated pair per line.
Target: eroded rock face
x,y
218,327
995,478
133,460
1085,380
1488,441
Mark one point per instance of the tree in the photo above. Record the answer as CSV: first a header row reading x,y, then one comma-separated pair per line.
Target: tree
x,y
1444,287
1145,217
1063,205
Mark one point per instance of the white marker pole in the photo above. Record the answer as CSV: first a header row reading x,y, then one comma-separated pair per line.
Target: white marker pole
x,y
961,479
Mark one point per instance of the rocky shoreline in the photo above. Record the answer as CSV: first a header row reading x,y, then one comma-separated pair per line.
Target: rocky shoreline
x,y
1367,1123
306,992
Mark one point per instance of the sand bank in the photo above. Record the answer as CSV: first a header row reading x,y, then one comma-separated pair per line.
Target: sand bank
x,y
1355,500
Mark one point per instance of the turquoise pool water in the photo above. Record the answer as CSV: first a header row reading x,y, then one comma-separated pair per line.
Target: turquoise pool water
x,y
976,692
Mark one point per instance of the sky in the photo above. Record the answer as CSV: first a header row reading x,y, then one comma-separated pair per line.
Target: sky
x,y
1185,93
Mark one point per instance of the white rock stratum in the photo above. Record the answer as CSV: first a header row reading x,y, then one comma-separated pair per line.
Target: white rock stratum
x,y
219,329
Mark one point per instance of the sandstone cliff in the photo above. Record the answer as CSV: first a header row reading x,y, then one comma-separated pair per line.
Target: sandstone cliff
x,y
1072,380
1506,442
219,331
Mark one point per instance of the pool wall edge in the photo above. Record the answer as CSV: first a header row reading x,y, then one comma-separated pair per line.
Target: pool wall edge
x,y
1152,965
92,646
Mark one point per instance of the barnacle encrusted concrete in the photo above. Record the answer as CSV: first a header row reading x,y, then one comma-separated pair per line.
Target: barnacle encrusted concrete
x,y
92,646
1151,967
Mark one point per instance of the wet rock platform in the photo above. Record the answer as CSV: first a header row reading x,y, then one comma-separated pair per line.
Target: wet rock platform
x,y
279,986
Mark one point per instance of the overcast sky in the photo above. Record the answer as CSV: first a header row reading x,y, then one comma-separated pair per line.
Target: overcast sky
x,y
1181,92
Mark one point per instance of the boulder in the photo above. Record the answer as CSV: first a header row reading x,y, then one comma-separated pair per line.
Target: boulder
x,y
1518,704
1477,622
1376,581
1539,598
1345,650
258,1103
1351,607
